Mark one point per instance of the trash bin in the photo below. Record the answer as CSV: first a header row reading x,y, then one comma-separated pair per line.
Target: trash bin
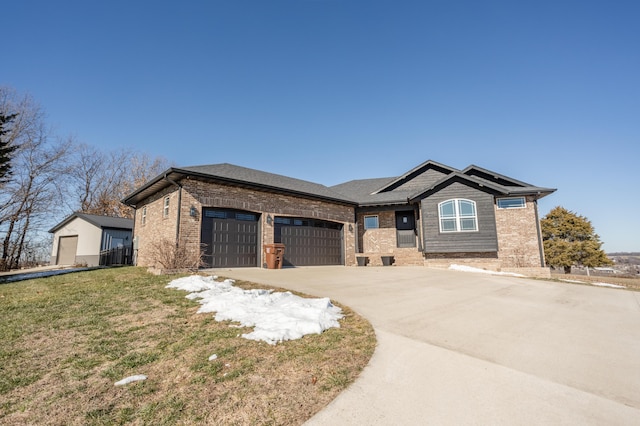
x,y
274,255
387,260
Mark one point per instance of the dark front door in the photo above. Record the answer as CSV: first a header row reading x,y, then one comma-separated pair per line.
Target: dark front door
x,y
405,229
309,241
229,238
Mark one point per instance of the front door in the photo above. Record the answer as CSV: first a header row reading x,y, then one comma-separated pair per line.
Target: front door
x,y
405,229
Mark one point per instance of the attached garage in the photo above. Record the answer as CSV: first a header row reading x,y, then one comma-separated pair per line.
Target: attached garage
x,y
229,238
309,242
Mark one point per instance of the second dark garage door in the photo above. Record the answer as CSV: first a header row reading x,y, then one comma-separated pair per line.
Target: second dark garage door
x,y
309,242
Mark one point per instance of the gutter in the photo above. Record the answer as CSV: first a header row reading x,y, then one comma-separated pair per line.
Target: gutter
x,y
166,177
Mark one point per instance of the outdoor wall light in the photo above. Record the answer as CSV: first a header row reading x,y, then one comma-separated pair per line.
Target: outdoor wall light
x,y
350,228
193,212
269,219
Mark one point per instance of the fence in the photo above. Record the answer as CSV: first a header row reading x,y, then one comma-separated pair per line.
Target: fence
x,y
117,256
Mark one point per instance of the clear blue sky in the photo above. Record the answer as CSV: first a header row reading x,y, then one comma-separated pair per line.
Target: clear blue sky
x,y
332,90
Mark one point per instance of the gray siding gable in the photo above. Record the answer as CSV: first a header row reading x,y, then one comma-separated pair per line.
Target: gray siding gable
x,y
426,174
483,240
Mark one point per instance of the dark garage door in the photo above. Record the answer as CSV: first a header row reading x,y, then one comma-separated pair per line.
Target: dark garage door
x,y
309,241
229,237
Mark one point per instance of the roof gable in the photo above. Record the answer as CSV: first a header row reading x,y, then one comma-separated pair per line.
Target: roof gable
x,y
99,221
482,184
489,175
422,176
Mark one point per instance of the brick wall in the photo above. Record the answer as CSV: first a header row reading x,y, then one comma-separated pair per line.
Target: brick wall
x,y
488,261
197,193
518,243
156,227
381,240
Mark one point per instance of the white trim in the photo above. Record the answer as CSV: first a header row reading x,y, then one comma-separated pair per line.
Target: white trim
x,y
165,206
524,203
364,222
144,215
457,216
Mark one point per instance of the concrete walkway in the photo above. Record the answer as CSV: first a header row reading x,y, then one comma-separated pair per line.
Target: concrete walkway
x,y
459,348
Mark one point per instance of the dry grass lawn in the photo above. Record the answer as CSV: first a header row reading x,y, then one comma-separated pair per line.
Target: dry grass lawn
x,y
631,283
66,340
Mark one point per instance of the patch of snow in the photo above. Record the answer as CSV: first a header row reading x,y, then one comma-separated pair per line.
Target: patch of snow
x,y
609,285
573,281
465,268
130,379
275,316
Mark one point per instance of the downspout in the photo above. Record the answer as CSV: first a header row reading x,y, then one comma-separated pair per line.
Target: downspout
x,y
540,245
134,254
355,229
179,205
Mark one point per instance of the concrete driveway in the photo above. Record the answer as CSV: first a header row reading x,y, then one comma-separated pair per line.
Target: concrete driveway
x,y
460,348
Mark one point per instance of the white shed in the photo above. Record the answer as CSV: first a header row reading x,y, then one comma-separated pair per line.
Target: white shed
x,y
81,238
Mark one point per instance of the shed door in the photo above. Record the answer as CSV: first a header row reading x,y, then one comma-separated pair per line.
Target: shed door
x,y
229,238
309,242
67,247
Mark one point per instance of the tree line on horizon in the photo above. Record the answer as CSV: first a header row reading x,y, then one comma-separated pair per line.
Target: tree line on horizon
x,y
45,177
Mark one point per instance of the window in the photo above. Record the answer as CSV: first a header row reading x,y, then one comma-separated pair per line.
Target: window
x,y
458,216
370,222
511,203
144,215
165,211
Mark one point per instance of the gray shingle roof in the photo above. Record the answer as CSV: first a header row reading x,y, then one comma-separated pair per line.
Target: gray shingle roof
x,y
361,192
97,220
278,182
365,191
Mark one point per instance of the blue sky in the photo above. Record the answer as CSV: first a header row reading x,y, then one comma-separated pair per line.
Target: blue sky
x,y
546,92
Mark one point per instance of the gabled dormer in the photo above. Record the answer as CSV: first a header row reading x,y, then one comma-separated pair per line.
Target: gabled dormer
x,y
423,176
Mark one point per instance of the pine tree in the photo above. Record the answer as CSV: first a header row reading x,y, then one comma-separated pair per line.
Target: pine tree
x,y
569,239
5,149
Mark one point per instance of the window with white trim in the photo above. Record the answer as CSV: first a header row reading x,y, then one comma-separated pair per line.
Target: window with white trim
x,y
511,203
165,210
144,215
371,222
458,215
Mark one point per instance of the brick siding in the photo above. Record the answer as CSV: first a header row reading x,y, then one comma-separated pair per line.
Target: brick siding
x,y
517,232
518,236
199,194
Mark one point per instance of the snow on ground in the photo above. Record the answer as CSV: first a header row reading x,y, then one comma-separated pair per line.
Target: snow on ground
x,y
464,268
609,285
275,316
131,379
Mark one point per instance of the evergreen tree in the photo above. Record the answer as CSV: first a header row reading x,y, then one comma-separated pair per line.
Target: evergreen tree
x,y
569,239
5,149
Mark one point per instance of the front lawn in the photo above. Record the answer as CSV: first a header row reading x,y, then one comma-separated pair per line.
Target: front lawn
x,y
65,341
